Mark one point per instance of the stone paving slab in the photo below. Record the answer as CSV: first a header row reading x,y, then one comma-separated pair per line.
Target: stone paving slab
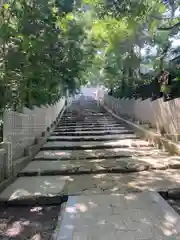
x,y
93,138
121,165
60,126
82,167
88,118
115,183
90,114
77,154
89,128
89,121
140,216
94,133
100,153
85,124
97,144
31,190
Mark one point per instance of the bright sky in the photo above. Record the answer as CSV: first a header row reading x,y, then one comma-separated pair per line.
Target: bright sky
x,y
175,43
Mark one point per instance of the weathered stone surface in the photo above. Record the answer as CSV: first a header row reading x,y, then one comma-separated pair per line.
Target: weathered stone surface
x,y
96,125
79,154
100,144
88,122
107,183
84,138
100,132
121,165
89,128
101,153
110,216
52,167
27,190
131,216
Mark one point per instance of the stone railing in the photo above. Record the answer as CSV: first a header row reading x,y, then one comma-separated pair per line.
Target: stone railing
x,y
22,130
158,114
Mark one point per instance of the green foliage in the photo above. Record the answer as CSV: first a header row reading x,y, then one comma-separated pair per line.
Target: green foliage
x,y
50,47
44,50
122,29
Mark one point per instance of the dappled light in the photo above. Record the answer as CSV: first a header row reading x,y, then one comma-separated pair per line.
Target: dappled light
x,y
101,185
30,189
33,223
140,215
120,183
51,154
128,142
130,165
93,176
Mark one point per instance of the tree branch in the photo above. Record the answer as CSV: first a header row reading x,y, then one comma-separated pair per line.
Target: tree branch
x,y
178,57
170,28
161,18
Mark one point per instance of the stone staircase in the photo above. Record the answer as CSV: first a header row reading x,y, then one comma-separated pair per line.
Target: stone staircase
x,y
88,144
92,155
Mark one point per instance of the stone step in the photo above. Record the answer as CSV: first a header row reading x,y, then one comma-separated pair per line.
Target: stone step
x,y
109,126
122,216
96,116
117,183
92,138
94,133
77,167
79,154
85,122
97,126
93,116
88,111
94,145
99,153
34,190
88,124
95,166
89,114
78,129
88,118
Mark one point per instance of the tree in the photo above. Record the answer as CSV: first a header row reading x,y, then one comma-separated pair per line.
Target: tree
x,y
122,29
52,49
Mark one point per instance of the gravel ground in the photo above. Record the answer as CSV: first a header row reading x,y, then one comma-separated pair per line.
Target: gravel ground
x,y
28,223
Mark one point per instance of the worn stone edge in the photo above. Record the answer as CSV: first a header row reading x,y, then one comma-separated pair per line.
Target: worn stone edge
x,y
31,151
62,232
32,201
167,210
59,221
157,139
75,171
